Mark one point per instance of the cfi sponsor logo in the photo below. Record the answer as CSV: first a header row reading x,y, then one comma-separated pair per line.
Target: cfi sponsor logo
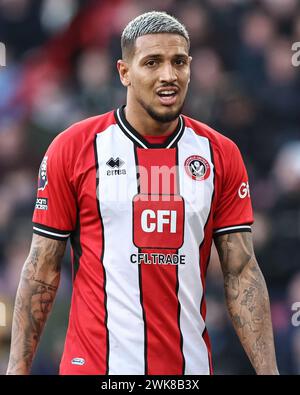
x,y
197,167
43,180
244,190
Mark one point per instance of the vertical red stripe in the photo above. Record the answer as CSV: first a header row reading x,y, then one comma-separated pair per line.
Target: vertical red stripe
x,y
158,282
157,170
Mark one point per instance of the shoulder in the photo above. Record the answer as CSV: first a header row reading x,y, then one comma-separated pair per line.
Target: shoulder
x,y
219,143
85,130
77,141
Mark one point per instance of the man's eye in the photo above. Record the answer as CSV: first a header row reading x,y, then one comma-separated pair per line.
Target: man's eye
x,y
180,62
151,63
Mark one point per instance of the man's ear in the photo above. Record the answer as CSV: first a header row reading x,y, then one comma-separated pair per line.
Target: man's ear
x,y
123,72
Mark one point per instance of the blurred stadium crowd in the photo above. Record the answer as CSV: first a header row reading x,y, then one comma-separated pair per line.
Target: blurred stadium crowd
x,y
61,67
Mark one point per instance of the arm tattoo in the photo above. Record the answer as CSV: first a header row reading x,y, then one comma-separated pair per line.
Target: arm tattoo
x,y
36,292
247,299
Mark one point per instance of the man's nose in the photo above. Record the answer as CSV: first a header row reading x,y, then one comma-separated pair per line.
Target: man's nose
x,y
168,73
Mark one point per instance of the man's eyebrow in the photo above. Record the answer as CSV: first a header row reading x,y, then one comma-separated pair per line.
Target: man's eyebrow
x,y
155,56
159,56
181,55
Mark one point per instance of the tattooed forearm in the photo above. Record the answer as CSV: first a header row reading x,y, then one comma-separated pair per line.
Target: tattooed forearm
x,y
36,292
247,300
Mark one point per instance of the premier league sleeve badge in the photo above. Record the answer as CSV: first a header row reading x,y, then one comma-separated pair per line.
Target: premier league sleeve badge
x,y
43,180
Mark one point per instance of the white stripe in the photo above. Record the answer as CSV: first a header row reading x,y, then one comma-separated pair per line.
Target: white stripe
x,y
233,228
197,197
124,311
129,132
180,129
51,233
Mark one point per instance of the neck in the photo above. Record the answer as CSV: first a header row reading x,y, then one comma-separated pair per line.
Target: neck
x,y
144,124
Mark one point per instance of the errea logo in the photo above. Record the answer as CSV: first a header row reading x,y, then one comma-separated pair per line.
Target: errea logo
x,y
244,190
115,165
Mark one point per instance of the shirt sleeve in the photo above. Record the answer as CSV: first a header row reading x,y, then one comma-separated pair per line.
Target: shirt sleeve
x,y
234,209
55,210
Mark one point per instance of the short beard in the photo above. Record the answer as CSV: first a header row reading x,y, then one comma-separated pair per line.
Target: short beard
x,y
166,118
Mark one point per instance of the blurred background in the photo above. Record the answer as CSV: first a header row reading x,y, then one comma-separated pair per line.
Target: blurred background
x,y
61,68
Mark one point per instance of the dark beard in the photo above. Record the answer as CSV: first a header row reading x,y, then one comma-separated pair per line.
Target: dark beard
x,y
162,118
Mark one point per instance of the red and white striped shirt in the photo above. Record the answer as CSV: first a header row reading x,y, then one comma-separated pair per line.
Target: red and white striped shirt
x,y
141,218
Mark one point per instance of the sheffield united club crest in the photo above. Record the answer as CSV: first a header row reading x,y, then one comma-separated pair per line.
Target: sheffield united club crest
x,y
197,167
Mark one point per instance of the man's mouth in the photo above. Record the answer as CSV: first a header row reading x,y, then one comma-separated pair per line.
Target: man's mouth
x,y
167,97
